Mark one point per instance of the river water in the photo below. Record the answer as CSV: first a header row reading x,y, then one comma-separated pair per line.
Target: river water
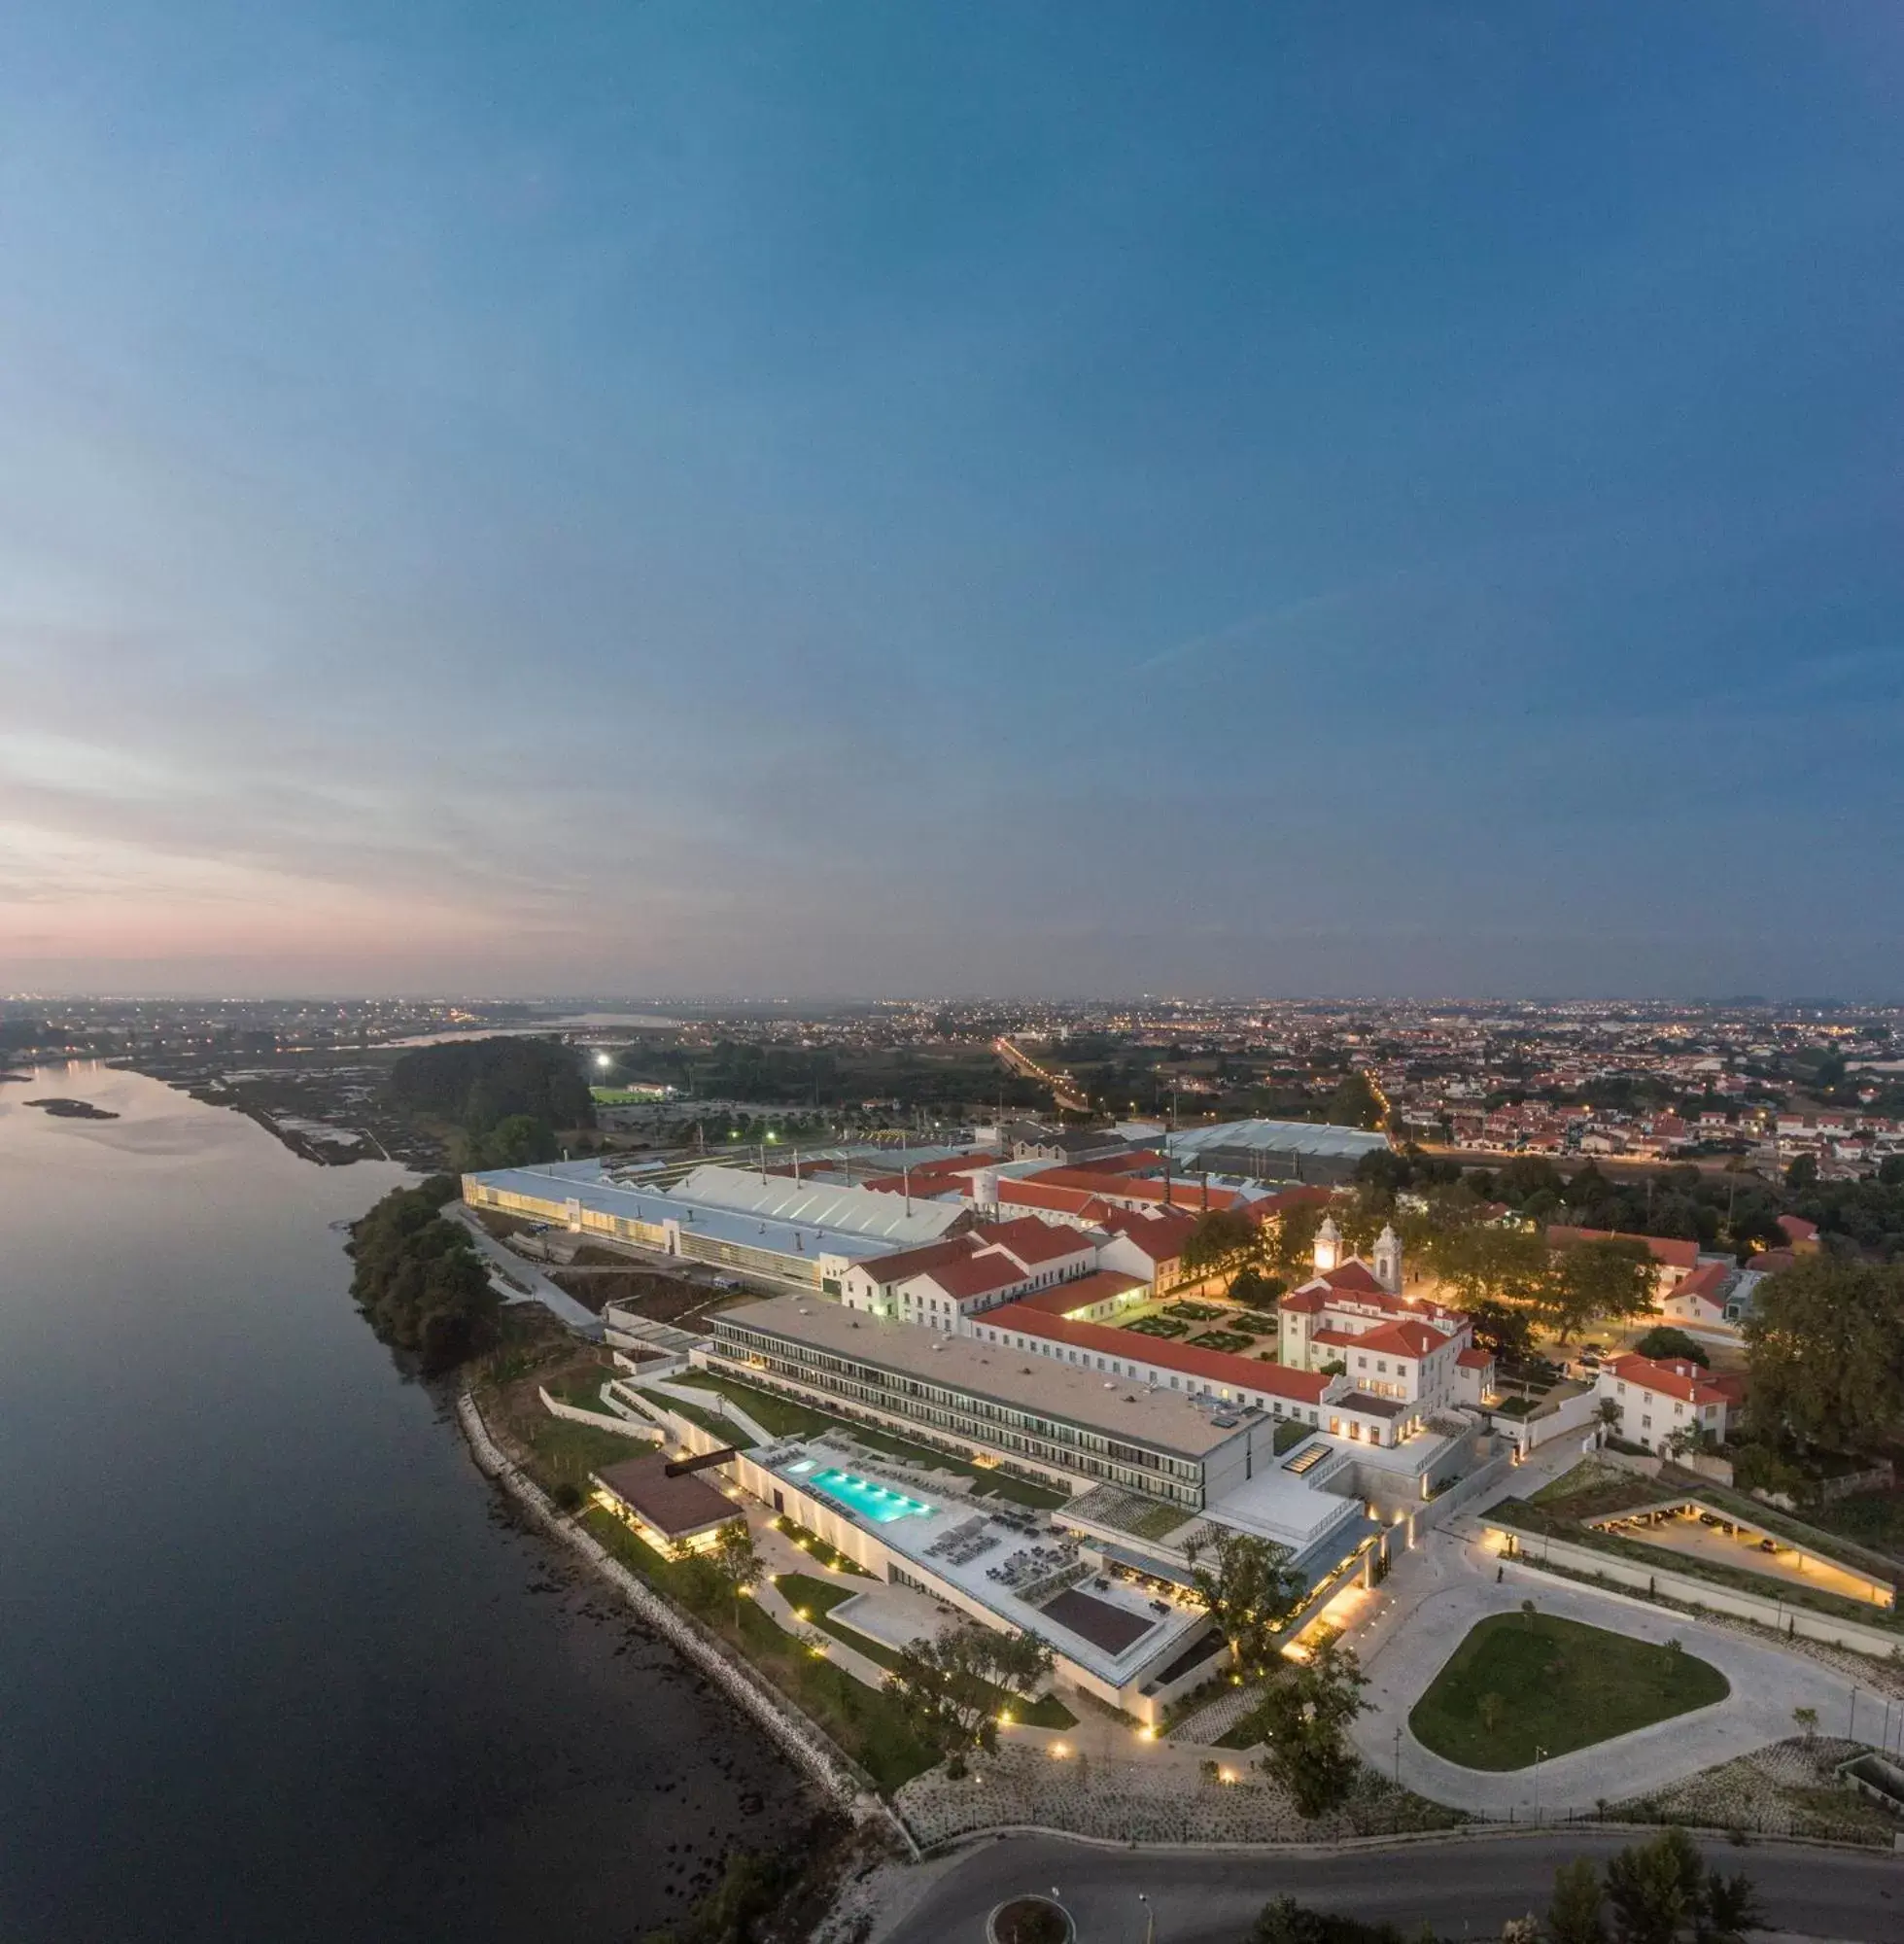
x,y
274,1661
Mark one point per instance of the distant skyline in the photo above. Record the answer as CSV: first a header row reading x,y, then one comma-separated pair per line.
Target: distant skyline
x,y
1088,498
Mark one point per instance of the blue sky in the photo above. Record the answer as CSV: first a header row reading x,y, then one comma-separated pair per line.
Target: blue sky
x,y
793,499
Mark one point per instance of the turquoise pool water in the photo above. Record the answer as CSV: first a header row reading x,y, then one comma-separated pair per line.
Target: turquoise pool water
x,y
877,1502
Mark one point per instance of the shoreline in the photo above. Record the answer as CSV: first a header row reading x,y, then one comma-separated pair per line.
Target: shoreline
x,y
801,1739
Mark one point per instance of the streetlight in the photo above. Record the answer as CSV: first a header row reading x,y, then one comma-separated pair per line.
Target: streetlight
x,y
1540,1755
1150,1919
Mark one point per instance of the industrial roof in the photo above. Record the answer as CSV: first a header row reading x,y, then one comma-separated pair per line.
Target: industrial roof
x,y
813,1204
554,1185
1305,1137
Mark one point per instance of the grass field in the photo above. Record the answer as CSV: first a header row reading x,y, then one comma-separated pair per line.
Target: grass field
x,y
1517,1684
868,1724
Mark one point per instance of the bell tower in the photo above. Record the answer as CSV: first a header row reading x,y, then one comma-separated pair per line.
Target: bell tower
x,y
1329,1246
1388,1260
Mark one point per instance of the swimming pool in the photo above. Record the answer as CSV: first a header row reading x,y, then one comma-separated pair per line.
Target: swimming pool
x,y
877,1502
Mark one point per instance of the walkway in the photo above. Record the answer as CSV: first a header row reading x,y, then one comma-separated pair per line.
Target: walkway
x,y
558,1302
1437,1593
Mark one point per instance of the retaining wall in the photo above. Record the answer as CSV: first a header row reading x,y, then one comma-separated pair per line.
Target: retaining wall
x,y
598,1419
803,1739
1775,1614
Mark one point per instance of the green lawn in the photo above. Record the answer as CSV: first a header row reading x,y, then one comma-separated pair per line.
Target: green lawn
x,y
1554,1685
819,1597
868,1724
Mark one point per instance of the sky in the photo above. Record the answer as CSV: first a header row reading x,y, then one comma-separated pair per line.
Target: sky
x,y
669,495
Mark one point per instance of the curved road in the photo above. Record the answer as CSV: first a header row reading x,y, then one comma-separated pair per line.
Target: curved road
x,y
1461,1887
1437,1594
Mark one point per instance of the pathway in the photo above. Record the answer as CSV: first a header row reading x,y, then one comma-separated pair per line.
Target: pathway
x,y
1437,1593
558,1302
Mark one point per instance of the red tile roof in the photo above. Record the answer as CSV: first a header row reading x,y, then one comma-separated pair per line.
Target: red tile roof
x,y
1668,1251
1272,1206
1033,1241
1797,1230
1407,1338
1475,1359
886,1270
1100,1286
1707,1282
1179,1192
1672,1377
1038,1194
979,1274
1215,1367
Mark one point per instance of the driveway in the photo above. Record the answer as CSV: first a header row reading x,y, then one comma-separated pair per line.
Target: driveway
x,y
1436,1594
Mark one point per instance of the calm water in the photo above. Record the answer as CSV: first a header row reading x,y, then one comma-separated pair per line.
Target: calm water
x,y
273,1662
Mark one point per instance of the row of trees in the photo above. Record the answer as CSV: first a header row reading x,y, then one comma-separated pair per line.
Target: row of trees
x,y
1653,1893
418,1281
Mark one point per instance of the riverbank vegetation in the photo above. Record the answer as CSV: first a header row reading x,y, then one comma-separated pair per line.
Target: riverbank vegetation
x,y
499,1102
417,1280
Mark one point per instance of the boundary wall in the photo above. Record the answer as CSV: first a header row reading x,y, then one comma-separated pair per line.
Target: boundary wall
x,y
1531,1547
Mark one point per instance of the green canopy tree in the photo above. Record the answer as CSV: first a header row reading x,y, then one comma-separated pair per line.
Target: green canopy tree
x,y
1222,1239
1612,1277
1306,1715
1249,1590
1575,1916
949,1686
736,1561
1825,1346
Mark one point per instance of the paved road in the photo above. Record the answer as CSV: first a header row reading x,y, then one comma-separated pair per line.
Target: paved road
x,y
1437,1594
1462,1887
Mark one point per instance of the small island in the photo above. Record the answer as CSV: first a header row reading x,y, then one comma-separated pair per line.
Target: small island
x,y
74,1110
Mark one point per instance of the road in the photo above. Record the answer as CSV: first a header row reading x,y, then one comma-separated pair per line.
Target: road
x,y
558,1302
1020,1062
1438,1592
1461,1887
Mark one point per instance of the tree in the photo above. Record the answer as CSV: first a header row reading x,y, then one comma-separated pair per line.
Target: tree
x,y
1249,1590
736,1561
1667,1341
1284,1921
1803,1173
1573,1917
517,1140
1655,1889
419,1282
949,1687
1806,1719
1290,1247
1730,1907
1355,1103
1306,1717
1221,1239
1255,1289
1825,1346
1611,1277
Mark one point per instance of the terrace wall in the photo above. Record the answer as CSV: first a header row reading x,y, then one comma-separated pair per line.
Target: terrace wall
x,y
1695,1592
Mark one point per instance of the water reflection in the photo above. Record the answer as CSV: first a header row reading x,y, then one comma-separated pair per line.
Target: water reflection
x,y
272,1662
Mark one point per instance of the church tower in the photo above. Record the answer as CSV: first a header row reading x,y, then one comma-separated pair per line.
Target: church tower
x,y
1388,1260
1329,1246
